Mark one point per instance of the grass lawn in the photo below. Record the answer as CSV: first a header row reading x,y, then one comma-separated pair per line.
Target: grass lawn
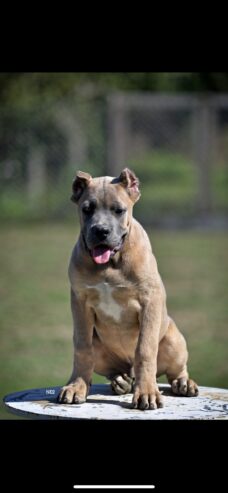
x,y
35,319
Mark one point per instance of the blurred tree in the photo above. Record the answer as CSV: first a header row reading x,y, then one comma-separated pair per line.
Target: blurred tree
x,y
23,89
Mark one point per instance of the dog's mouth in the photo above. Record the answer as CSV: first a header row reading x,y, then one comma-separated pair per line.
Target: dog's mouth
x,y
101,254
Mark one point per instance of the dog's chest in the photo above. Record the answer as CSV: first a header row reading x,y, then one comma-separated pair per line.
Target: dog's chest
x,y
103,297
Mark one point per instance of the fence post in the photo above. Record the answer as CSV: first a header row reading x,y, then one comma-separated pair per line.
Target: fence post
x,y
204,126
36,173
117,134
69,122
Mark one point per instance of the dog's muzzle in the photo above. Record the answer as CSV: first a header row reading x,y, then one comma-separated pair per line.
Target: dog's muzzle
x,y
102,252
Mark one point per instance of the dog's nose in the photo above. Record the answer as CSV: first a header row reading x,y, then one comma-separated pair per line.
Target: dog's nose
x,y
100,231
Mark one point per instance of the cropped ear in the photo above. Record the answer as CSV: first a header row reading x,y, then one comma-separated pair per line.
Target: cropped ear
x,y
131,183
80,182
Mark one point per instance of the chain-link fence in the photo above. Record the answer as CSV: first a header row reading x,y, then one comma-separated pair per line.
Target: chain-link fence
x,y
177,145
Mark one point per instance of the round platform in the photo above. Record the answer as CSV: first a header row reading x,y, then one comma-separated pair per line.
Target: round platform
x,y
212,403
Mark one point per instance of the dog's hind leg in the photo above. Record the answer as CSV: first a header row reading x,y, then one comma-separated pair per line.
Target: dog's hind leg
x,y
172,360
123,383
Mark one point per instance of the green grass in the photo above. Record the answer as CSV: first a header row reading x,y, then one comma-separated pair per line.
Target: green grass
x,y
36,328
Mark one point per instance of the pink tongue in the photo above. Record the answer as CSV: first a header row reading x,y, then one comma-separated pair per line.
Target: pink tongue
x,y
101,255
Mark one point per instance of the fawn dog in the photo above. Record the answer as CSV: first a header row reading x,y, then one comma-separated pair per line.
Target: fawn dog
x,y
121,326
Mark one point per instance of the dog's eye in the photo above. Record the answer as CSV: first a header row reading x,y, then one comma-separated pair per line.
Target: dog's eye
x,y
120,211
88,208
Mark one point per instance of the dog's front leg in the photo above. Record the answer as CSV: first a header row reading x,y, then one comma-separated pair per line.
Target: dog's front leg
x,y
76,390
146,393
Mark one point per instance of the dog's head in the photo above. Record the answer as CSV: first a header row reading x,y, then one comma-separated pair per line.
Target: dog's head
x,y
105,210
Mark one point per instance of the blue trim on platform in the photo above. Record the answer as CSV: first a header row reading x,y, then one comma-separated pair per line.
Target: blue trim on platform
x,y
47,393
50,393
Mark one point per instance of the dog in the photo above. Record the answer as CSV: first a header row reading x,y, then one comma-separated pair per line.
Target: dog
x,y
121,326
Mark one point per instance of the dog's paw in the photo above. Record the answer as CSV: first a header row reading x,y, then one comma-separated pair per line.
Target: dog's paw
x,y
122,384
184,386
74,393
150,399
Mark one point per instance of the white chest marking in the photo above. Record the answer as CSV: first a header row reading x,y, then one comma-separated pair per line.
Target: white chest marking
x,y
107,304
